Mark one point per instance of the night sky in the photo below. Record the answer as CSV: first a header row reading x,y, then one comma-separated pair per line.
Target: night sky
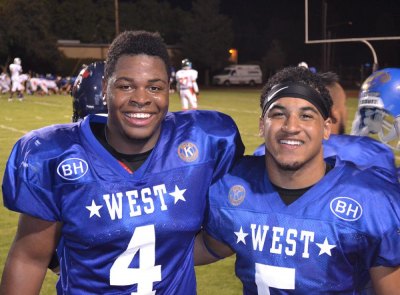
x,y
257,22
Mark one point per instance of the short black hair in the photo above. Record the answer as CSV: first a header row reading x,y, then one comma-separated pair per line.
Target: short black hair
x,y
298,75
135,43
329,78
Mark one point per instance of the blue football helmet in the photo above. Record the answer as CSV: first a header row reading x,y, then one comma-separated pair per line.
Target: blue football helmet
x,y
87,91
379,107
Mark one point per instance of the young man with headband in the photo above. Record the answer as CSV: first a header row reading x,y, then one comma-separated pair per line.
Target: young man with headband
x,y
297,223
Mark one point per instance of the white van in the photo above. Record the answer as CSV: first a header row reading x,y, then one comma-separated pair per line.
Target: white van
x,y
239,75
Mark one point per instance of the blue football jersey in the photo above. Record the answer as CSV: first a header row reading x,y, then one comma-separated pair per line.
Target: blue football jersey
x,y
323,243
362,151
123,233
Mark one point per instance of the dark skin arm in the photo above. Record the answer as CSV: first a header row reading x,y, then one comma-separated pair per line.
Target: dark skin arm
x,y
386,280
202,255
29,256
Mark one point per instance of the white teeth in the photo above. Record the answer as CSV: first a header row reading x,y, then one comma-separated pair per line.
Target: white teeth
x,y
291,142
138,115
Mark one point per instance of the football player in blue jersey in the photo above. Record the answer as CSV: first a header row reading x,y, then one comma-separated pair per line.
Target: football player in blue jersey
x,y
126,193
345,146
297,223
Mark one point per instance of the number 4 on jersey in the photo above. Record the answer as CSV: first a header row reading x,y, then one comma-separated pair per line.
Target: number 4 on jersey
x,y
143,240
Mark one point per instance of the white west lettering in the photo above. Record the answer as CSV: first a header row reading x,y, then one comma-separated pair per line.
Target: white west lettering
x,y
147,200
139,201
306,236
135,210
281,239
276,246
114,207
291,250
258,241
160,191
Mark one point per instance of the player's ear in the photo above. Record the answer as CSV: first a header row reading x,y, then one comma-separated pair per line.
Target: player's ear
x,y
104,88
261,127
327,128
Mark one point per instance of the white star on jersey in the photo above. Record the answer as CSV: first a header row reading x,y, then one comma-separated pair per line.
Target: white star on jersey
x,y
94,209
325,247
178,194
241,236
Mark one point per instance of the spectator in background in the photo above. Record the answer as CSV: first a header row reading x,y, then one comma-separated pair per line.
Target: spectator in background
x,y
16,85
186,83
338,95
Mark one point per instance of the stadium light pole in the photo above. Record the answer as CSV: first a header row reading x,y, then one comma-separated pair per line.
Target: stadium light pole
x,y
116,10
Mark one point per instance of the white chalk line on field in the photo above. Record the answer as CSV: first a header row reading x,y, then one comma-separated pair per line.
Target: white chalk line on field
x,y
47,104
231,110
13,129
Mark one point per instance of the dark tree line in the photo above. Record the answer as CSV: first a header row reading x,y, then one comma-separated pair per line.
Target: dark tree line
x,y
267,32
30,29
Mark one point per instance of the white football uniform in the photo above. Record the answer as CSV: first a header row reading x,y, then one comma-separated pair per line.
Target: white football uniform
x,y
43,84
187,87
4,83
15,71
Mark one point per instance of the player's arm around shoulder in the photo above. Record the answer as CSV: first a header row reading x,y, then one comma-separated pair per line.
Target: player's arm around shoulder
x,y
208,250
29,256
386,280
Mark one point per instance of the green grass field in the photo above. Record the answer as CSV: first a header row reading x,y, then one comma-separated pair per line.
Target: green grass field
x,y
17,118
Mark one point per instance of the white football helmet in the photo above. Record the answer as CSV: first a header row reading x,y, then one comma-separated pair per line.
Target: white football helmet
x,y
17,61
303,64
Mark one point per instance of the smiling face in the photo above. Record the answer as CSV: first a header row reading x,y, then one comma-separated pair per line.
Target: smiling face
x,y
293,130
137,97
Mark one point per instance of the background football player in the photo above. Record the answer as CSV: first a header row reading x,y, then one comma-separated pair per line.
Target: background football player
x,y
378,113
87,92
16,85
186,83
5,82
